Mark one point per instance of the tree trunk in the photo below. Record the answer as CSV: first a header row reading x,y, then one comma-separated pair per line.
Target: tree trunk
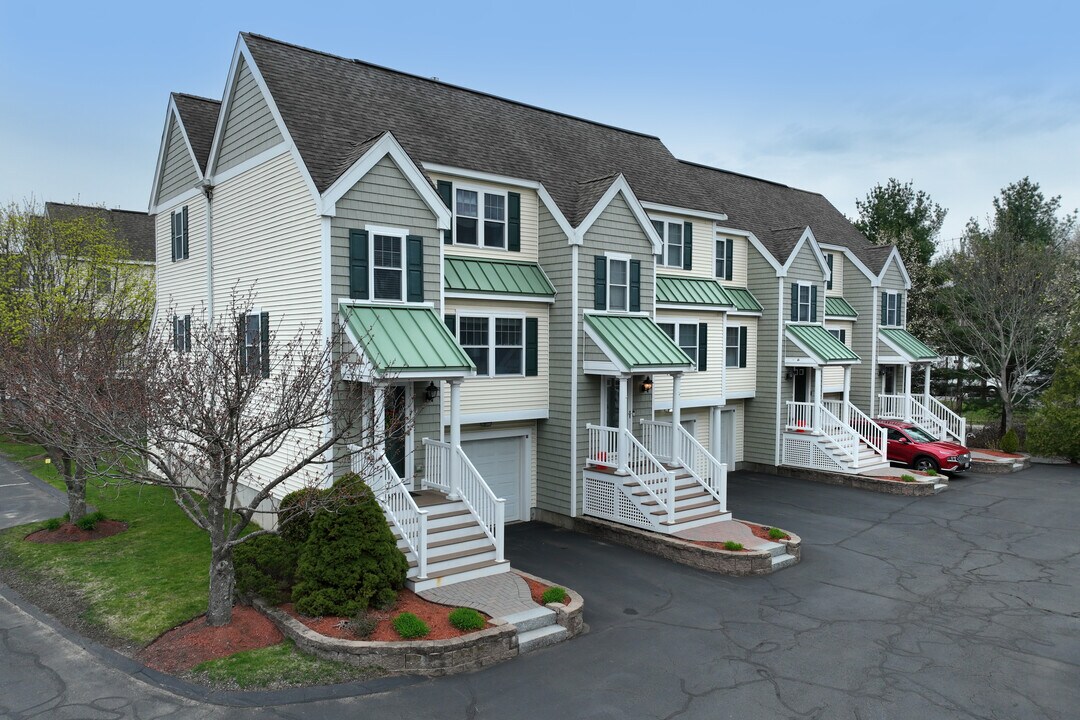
x,y
222,587
1006,410
75,480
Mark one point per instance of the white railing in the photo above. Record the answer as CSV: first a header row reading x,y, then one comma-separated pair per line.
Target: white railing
x,y
640,464
604,446
398,505
709,472
839,434
928,421
657,438
868,431
800,417
437,464
955,425
893,407
912,410
486,507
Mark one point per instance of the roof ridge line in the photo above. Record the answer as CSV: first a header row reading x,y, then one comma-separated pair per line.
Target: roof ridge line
x,y
748,177
196,97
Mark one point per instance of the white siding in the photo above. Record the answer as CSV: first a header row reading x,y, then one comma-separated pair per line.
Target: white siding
x,y
529,223
181,285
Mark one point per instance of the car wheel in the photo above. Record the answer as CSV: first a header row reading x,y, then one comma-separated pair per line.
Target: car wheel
x,y
923,464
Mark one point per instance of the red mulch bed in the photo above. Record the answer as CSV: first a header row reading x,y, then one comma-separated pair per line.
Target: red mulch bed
x,y
436,616
762,532
68,532
184,647
536,589
999,453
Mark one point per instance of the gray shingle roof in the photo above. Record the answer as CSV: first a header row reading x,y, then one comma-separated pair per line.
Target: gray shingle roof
x,y
134,228
199,116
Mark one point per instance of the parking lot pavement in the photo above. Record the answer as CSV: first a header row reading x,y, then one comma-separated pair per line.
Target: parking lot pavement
x,y
24,498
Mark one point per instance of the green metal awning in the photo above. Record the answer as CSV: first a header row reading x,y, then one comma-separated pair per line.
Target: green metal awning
x,y
496,277
820,343
743,299
690,291
634,343
408,341
839,307
907,345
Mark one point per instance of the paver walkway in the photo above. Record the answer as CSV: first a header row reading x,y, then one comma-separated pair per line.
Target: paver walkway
x,y
498,595
724,531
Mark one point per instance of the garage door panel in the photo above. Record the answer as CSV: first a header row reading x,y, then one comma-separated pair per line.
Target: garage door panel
x,y
499,462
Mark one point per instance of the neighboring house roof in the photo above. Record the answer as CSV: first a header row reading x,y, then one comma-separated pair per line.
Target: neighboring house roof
x,y
743,299
906,344
135,229
839,307
672,290
199,116
635,343
405,339
496,277
820,343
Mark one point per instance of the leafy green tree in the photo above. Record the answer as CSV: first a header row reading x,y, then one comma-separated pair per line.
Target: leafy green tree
x,y
896,213
1055,428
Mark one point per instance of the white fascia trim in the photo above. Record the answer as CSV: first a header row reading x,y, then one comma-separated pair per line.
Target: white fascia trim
x,y
176,201
496,417
266,155
894,256
508,298
693,402
745,313
807,238
779,363
171,112
327,265
659,207
690,308
598,367
903,356
817,360
757,246
621,186
387,145
741,394
850,255
841,318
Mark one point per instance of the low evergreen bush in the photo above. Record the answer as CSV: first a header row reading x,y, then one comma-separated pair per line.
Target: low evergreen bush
x,y
732,545
53,523
265,568
1010,443
553,595
90,521
295,513
776,534
409,626
466,619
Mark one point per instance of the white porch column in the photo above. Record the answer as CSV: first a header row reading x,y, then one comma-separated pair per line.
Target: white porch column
x,y
926,384
379,411
818,398
676,414
622,444
907,392
455,437
847,393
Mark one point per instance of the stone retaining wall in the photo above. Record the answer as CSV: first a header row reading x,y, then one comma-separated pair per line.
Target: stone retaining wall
x,y
859,482
570,615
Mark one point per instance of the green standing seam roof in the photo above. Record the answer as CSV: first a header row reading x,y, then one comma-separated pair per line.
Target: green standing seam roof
x,y
839,307
690,291
821,343
405,339
744,299
911,346
638,342
498,277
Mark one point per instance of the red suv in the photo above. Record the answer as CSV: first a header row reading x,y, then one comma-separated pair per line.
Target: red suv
x,y
915,447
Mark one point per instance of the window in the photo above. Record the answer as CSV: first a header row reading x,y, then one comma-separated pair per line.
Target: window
x,y
724,252
509,346
251,356
387,270
839,333
685,335
180,234
890,308
671,233
504,356
735,347
182,333
829,262
467,223
802,304
618,284
473,336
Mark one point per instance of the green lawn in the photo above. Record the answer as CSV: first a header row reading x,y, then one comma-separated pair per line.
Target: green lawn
x,y
279,665
137,584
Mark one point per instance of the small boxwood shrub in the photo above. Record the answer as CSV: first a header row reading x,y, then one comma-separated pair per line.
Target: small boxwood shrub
x,y
54,523
554,594
1010,443
409,626
732,545
776,534
466,619
363,625
907,478
90,521
265,568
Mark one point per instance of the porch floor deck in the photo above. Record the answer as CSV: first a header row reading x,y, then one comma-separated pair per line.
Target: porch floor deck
x,y
429,498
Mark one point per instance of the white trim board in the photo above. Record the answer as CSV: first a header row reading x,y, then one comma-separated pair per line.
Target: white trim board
x,y
620,185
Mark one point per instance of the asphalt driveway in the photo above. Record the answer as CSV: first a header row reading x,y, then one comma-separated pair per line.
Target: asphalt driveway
x,y
964,604
25,499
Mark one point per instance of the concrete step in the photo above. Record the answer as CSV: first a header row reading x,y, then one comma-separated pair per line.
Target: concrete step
x,y
782,561
533,619
459,574
939,487
540,638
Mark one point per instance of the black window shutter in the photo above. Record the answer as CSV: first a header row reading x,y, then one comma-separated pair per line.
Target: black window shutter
x,y
729,249
172,235
264,344
451,323
742,346
358,264
828,261
843,336
688,246
446,192
184,235
187,333
532,347
899,308
813,303
884,308
635,286
513,222
414,268
600,283
176,333
702,347
794,302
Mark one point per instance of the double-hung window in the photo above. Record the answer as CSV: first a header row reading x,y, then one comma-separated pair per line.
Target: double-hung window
x,y
685,335
735,347
839,333
671,233
890,308
618,284
473,335
180,234
387,265
480,218
495,344
724,253
251,350
509,346
803,303
182,333
829,262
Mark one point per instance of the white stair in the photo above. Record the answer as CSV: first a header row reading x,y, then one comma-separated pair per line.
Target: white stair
x,y
694,505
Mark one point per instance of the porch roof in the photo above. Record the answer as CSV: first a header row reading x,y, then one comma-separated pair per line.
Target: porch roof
x,y
634,343
839,307
405,339
820,343
909,346
743,299
496,277
690,291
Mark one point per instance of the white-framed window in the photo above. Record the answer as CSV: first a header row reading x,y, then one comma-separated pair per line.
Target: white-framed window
x,y
182,333
179,219
496,344
387,263
890,310
723,258
734,347
683,334
804,306
671,233
618,278
479,217
251,352
839,333
829,262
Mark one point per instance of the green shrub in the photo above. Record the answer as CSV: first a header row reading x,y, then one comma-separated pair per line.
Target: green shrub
x,y
1055,427
409,626
907,478
53,523
363,624
554,594
732,545
265,568
90,521
466,619
776,534
350,559
1010,443
931,472
295,513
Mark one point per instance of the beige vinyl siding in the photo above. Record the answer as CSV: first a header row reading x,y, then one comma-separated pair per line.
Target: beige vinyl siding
x,y
695,385
760,413
703,263
740,430
181,286
834,374
489,395
700,416
738,259
530,204
743,380
178,171
837,273
384,197
250,127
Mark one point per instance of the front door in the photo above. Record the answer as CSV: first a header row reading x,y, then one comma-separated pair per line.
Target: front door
x,y
802,385
888,379
397,428
611,402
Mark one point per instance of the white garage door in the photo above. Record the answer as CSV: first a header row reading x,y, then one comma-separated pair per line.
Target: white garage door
x,y
499,462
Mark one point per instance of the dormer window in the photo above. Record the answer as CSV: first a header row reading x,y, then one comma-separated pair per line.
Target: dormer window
x,y
470,227
676,243
803,302
892,308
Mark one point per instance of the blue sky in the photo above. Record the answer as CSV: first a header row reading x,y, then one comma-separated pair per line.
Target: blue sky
x,y
962,98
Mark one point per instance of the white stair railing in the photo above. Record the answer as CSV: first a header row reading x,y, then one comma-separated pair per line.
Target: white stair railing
x,y
928,421
955,425
839,434
398,505
485,506
603,446
710,473
437,457
641,465
868,431
800,416
657,437
893,407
